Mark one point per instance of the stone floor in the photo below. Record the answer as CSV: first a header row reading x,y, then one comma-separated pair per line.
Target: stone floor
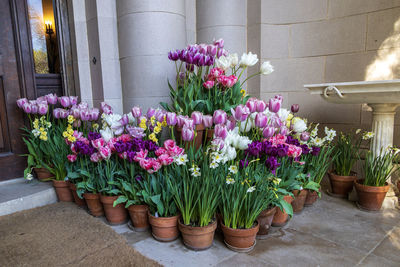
x,y
333,232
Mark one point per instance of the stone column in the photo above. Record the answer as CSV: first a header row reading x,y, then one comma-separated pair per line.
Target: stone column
x,y
147,31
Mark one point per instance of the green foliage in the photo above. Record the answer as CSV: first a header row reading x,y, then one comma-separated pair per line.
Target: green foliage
x,y
378,169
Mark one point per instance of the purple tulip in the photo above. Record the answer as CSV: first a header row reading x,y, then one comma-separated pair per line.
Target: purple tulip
x,y
261,105
56,113
196,58
107,109
304,136
51,99
295,108
42,108
76,112
21,102
202,61
283,130
220,117
219,43
212,50
150,112
197,117
218,142
63,113
274,105
231,123
219,52
240,113
261,120
173,55
34,108
251,104
220,131
64,101
171,119
208,61
27,107
135,132
124,120
187,133
41,100
189,123
268,131
84,115
94,114
275,121
83,105
159,115
136,112
73,100
181,120
207,121
189,67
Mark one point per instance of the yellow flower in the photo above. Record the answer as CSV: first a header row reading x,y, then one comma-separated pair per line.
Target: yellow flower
x,y
70,131
65,134
43,137
153,138
142,124
243,92
36,124
164,123
157,129
95,126
71,138
152,120
71,119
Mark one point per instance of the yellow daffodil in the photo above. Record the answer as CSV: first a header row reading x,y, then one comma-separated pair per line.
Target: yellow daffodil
x,y
95,126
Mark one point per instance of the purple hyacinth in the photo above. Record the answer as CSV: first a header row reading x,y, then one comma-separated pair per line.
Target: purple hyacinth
x,y
272,164
305,149
315,150
93,136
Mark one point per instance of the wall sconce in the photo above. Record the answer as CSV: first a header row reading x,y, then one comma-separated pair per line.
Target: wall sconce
x,y
49,29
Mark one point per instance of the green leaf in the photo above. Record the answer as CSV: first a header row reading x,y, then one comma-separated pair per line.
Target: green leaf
x,y
120,199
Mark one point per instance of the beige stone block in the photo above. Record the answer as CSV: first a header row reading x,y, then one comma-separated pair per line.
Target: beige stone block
x,y
190,14
137,6
79,39
234,37
288,11
220,13
274,41
108,38
78,10
253,12
143,102
292,74
335,36
254,39
106,8
82,78
91,9
145,76
316,109
115,103
93,39
341,8
111,78
150,33
383,29
348,67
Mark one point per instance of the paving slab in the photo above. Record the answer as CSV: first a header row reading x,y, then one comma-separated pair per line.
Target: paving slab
x,y
373,261
244,260
389,248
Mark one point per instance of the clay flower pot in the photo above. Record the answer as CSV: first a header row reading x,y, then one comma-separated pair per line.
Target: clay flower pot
x,y
94,204
164,229
139,218
311,198
370,197
79,201
264,221
240,240
43,174
299,200
62,190
114,215
281,217
341,185
198,238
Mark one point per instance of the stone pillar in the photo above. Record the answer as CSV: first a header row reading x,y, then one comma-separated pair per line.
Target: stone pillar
x,y
147,31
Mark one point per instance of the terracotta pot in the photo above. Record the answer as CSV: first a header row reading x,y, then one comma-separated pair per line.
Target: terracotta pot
x,y
199,137
114,215
311,198
299,200
62,190
43,174
370,197
79,201
210,135
139,218
164,229
281,217
198,238
94,204
265,220
240,240
341,185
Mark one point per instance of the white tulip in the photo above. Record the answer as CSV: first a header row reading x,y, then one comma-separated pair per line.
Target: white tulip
x,y
223,62
299,125
266,68
248,60
107,134
234,60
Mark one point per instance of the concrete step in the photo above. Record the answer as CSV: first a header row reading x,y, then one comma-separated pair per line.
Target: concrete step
x,y
20,194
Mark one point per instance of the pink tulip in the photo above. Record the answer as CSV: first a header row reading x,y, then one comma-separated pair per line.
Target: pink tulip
x,y
83,105
181,120
64,101
41,100
51,99
107,109
218,142
260,105
160,151
63,113
231,123
43,108
197,117
75,112
268,131
56,113
252,104
261,120
171,119
189,123
124,120
283,130
220,131
21,102
274,104
84,115
97,143
169,144
27,107
294,151
207,121
136,112
240,113
208,84
219,43
105,152
73,100
34,109
220,117
215,73
165,159
94,114
71,158
95,157
141,155
275,121
187,133
304,136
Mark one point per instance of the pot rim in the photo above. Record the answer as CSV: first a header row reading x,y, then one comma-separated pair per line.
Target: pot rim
x,y
197,230
369,188
141,207
241,232
332,173
154,217
62,183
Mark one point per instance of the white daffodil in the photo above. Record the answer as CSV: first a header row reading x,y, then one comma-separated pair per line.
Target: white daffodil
x,y
181,160
251,189
330,134
317,141
29,176
194,168
214,165
314,132
233,59
276,181
358,131
233,169
196,174
216,157
36,132
248,60
223,62
230,181
368,135
266,68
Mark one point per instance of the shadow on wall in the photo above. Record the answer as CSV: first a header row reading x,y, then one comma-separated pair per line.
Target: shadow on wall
x,y
386,65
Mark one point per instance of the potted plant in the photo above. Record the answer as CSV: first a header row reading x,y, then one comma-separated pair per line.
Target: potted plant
x,y
371,190
347,153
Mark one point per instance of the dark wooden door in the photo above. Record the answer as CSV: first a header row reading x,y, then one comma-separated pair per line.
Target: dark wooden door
x,y
14,83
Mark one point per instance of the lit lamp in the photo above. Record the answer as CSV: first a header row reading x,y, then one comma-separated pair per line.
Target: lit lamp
x,y
49,29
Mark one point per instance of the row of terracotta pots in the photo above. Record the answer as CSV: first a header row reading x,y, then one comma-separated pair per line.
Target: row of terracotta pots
x,y
369,197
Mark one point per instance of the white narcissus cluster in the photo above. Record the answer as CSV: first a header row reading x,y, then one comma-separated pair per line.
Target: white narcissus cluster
x,y
233,141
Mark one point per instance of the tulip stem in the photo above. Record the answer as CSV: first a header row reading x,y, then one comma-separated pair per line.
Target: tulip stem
x,y
251,76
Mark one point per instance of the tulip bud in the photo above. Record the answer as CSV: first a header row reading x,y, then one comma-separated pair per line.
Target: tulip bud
x,y
274,105
187,133
73,100
107,109
252,104
240,113
34,109
261,120
219,43
220,131
94,114
64,101
294,108
188,123
27,107
171,119
63,113
42,108
136,112
268,131
260,105
207,121
219,117
208,84
56,113
181,120
304,136
197,117
21,102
